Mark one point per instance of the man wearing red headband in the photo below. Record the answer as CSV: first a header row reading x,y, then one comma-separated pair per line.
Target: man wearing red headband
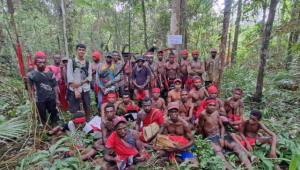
x,y
211,127
212,69
184,62
73,127
174,95
39,54
234,108
195,68
186,107
196,95
178,130
96,58
172,70
157,101
111,99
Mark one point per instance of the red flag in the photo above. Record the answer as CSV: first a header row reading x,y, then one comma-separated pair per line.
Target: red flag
x,y
20,60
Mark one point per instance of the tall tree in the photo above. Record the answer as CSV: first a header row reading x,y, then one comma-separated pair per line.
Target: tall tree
x,y
264,50
63,9
145,24
175,22
236,31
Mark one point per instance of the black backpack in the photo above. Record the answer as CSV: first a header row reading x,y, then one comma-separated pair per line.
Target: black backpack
x,y
85,69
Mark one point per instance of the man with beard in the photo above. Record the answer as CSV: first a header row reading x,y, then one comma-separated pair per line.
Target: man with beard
x,y
96,58
178,130
174,95
57,69
118,63
140,78
79,129
184,62
106,78
196,95
157,101
211,127
195,68
45,90
172,70
79,74
147,117
212,69
127,148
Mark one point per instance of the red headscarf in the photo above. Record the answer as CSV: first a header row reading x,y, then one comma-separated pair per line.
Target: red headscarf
x,y
212,89
195,52
96,54
184,52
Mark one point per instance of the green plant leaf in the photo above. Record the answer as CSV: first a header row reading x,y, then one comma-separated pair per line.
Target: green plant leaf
x,y
53,147
294,162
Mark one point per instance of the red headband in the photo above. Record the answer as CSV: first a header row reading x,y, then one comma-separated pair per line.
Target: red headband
x,y
195,52
211,101
79,120
237,90
184,92
171,56
196,79
212,89
184,52
40,54
160,52
111,95
96,54
156,90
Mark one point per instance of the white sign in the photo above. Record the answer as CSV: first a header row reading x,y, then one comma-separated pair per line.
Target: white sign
x,y
174,39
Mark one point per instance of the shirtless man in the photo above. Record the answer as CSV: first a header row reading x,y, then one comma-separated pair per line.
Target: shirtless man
x,y
184,62
111,99
195,68
186,107
196,95
161,72
172,70
212,69
157,101
128,107
96,58
107,126
232,105
174,95
178,130
211,127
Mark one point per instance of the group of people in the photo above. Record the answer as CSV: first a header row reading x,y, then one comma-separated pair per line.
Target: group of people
x,y
159,100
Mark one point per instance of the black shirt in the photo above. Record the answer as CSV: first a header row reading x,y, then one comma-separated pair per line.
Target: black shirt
x,y
140,75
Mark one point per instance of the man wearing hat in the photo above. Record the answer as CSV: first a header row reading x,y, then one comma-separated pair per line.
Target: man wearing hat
x,y
178,130
172,70
195,68
140,78
106,78
184,62
212,69
126,145
40,54
174,95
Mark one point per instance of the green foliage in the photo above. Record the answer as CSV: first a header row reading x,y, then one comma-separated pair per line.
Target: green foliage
x,y
12,129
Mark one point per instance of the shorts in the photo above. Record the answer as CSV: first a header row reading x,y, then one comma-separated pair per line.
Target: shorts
x,y
215,138
184,155
75,103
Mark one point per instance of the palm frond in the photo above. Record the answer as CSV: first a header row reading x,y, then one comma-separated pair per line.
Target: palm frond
x,y
12,129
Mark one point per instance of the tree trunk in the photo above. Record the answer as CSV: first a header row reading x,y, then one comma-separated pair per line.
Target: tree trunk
x,y
226,20
264,49
175,23
145,25
65,27
183,27
236,32
262,29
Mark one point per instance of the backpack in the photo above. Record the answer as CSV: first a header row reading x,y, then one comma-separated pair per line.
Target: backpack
x,y
85,69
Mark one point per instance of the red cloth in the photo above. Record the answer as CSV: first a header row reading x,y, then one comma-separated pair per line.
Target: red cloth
x,y
195,52
96,89
179,139
250,140
40,54
136,108
28,60
212,89
187,109
189,83
184,52
79,120
234,117
122,148
200,108
140,94
96,54
62,97
157,118
20,60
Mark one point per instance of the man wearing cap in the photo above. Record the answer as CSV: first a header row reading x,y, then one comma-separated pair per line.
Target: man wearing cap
x,y
178,130
127,147
212,69
172,70
57,69
96,58
140,77
184,62
45,90
157,101
195,68
75,127
174,95
119,64
79,74
211,127
106,78
40,54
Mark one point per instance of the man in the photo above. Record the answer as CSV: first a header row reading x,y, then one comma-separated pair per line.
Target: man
x,y
154,81
195,68
186,107
128,108
232,105
140,78
106,78
174,95
57,69
148,116
157,101
79,74
178,130
64,71
196,95
161,73
127,147
119,64
172,71
96,58
33,66
211,127
75,127
45,90
107,126
111,99
212,69
184,62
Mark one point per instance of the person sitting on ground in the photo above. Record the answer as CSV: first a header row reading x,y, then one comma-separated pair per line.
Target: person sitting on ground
x,y
248,134
157,101
127,147
107,126
174,95
231,105
79,129
178,130
148,117
186,107
126,105
211,127
111,99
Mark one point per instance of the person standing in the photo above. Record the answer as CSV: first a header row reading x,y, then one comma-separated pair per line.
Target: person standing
x,y
195,68
212,69
119,64
140,78
184,62
96,58
79,75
